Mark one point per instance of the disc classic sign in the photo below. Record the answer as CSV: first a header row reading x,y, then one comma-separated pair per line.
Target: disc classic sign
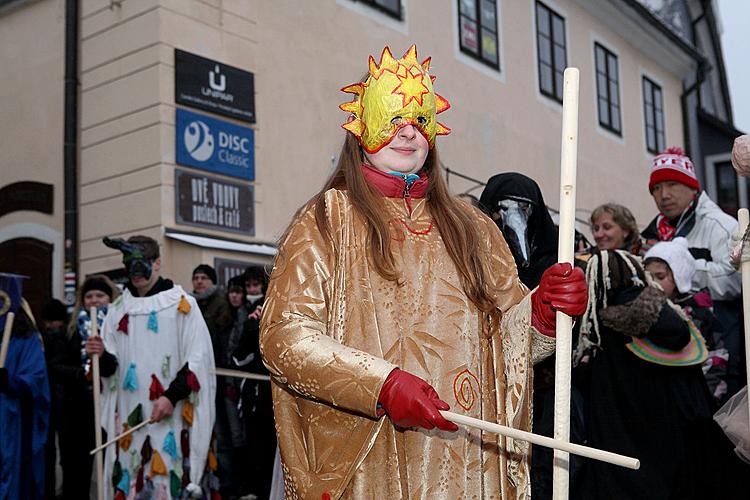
x,y
212,86
214,203
216,145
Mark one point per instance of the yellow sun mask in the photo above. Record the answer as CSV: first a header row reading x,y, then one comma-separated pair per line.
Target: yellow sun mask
x,y
396,93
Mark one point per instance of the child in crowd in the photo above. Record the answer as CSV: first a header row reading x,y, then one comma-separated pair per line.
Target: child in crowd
x,y
673,267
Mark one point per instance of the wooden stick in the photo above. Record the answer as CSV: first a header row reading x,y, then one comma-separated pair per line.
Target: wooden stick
x,y
98,457
6,338
117,438
225,372
566,242
743,215
584,451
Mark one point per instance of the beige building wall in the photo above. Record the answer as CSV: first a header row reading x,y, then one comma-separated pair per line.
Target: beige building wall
x,y
302,53
500,121
32,41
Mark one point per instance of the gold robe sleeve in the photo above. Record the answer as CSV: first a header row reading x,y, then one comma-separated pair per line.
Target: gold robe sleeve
x,y
298,340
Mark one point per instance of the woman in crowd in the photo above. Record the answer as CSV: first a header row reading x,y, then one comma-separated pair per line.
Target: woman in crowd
x,y
389,294
70,369
230,431
614,228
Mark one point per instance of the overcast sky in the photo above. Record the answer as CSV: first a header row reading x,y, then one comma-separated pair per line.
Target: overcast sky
x,y
735,41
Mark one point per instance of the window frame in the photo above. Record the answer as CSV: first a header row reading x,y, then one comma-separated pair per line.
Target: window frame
x,y
608,54
659,145
398,16
552,15
480,31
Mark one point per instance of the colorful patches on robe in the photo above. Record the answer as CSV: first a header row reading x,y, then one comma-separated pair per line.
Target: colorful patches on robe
x,y
116,473
153,322
192,381
165,366
156,389
125,441
184,306
157,466
135,461
185,443
146,451
139,479
175,485
124,484
136,416
187,413
122,325
131,381
212,463
112,384
120,495
170,445
194,398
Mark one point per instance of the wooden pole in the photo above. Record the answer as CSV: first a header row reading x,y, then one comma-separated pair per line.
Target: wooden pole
x,y
225,372
120,436
6,338
743,215
584,451
564,323
96,380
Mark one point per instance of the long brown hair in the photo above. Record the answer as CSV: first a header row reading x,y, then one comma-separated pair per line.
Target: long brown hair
x,y
453,217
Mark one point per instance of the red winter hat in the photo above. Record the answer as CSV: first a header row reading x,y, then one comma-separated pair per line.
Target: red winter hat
x,y
673,165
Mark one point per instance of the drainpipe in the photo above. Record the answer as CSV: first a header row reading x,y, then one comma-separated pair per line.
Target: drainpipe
x,y
693,148
70,150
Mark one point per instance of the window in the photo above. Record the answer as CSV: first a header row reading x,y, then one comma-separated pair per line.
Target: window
x,y
607,89
727,196
389,7
477,28
653,110
551,53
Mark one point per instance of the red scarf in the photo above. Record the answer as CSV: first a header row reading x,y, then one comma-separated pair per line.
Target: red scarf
x,y
666,229
392,186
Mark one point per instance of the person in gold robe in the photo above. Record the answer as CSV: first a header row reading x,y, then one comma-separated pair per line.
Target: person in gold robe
x,y
390,300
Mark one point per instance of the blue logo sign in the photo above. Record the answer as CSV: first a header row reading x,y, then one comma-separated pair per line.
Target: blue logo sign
x,y
215,145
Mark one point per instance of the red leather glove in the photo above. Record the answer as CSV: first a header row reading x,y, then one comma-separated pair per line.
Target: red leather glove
x,y
409,401
562,288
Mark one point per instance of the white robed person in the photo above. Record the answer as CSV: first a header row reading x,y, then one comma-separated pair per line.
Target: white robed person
x,y
156,364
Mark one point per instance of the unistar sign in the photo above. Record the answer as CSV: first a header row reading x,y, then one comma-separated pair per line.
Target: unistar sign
x,y
214,145
212,86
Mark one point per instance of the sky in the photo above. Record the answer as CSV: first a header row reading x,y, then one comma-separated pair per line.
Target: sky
x,y
735,41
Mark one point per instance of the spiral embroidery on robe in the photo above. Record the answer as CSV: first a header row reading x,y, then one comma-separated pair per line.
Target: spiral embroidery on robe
x,y
466,389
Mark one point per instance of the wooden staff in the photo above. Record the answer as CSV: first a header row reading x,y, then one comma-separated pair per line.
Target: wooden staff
x,y
584,451
6,338
566,242
98,457
225,372
744,218
120,436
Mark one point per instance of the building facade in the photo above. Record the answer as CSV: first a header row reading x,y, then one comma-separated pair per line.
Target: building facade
x,y
166,87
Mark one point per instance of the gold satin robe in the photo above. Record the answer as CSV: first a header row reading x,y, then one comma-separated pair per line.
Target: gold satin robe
x,y
332,331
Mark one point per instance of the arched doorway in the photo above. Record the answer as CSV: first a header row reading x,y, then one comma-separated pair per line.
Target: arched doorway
x,y
32,258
